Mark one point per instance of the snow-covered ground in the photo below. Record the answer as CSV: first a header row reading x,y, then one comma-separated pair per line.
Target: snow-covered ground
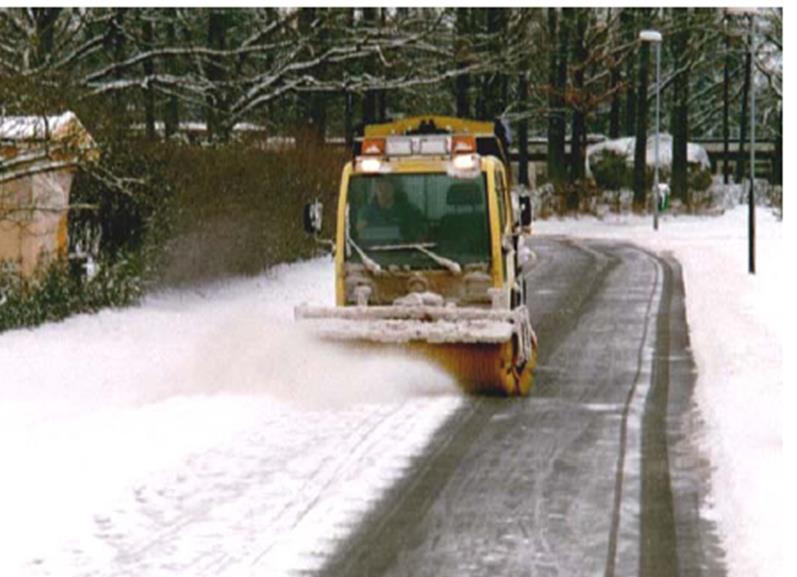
x,y
200,433
737,330
203,433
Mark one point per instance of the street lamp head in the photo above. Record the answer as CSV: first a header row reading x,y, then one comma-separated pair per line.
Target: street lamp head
x,y
650,36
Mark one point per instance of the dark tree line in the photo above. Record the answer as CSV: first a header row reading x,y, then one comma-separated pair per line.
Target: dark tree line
x,y
558,73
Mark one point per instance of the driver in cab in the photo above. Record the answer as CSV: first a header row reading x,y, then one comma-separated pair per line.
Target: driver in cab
x,y
389,209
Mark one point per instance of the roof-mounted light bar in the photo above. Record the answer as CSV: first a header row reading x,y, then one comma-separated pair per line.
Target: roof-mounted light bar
x,y
432,145
391,146
460,148
398,147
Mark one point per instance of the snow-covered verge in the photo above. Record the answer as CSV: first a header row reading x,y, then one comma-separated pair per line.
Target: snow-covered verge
x,y
736,324
200,433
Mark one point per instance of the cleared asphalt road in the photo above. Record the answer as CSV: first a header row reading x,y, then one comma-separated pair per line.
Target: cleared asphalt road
x,y
594,474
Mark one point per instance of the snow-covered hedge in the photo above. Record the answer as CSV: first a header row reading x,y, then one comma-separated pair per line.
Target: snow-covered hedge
x,y
237,209
581,198
720,196
611,163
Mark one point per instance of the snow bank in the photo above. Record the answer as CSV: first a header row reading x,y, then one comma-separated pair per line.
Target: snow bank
x,y
736,328
695,153
148,441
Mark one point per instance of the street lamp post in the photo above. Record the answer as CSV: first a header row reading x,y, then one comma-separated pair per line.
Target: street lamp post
x,y
654,37
751,12
751,196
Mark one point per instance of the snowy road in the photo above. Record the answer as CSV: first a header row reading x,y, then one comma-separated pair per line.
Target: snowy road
x,y
574,480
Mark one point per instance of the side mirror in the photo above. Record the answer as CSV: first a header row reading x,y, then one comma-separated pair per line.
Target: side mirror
x,y
313,214
525,210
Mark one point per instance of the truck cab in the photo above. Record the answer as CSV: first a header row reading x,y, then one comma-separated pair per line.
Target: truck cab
x,y
423,211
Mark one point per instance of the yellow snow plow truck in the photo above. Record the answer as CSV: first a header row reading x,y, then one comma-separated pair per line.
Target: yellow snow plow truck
x,y
426,251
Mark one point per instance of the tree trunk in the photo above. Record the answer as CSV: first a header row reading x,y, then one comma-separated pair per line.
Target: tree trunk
x,y
740,160
44,20
502,33
503,99
494,88
614,84
482,97
557,33
369,100
579,63
478,27
726,132
523,131
381,106
171,116
217,128
492,94
369,107
628,24
348,97
462,84
118,47
679,122
381,95
348,118
149,71
614,111
312,106
640,149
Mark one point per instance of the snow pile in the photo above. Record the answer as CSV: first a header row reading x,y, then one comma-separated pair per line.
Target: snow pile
x,y
737,332
201,432
624,147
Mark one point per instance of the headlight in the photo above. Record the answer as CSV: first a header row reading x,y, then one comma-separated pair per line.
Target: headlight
x,y
370,164
465,162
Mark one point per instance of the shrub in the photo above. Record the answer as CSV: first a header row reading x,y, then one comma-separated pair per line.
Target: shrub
x,y
610,170
699,179
56,292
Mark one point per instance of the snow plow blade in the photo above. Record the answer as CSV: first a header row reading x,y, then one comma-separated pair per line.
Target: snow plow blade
x,y
486,350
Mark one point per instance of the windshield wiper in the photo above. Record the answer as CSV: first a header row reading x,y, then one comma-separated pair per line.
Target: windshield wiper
x,y
370,264
423,247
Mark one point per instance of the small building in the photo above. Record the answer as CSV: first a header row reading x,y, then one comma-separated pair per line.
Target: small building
x,y
39,156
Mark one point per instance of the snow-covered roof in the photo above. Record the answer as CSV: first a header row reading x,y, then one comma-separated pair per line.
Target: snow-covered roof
x,y
695,153
29,132
38,127
194,126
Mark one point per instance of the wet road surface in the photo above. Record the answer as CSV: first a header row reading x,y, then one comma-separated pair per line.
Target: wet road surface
x,y
595,473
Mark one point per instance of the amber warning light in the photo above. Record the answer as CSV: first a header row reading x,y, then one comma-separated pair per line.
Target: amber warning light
x,y
373,147
463,144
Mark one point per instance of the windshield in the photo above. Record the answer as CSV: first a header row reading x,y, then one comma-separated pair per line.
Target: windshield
x,y
389,213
